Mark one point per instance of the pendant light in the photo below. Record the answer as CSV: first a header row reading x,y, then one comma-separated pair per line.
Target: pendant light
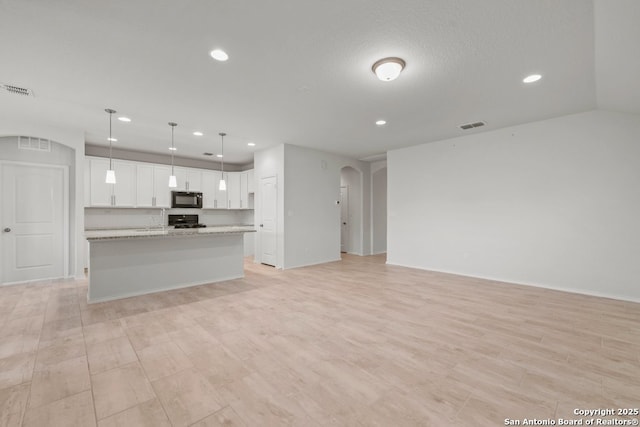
x,y
223,184
111,174
173,182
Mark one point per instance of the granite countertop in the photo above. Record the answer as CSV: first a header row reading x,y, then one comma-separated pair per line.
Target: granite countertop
x,y
132,233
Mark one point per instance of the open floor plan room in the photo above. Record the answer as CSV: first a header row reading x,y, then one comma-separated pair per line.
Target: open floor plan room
x,y
354,342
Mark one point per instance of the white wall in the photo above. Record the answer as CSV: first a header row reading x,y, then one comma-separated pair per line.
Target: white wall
x,y
379,207
350,178
308,217
11,125
312,217
554,203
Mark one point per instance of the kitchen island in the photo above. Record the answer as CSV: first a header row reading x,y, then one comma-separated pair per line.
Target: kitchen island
x,y
125,263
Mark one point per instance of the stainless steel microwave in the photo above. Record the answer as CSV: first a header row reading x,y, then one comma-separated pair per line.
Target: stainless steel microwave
x,y
186,199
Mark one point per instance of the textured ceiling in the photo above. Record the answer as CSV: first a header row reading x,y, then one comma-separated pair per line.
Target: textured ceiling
x,y
299,71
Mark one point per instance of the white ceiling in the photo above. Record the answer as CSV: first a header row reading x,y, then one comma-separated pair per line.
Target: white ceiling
x,y
300,71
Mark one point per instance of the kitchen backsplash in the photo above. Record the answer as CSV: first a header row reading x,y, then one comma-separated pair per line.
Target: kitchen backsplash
x,y
142,218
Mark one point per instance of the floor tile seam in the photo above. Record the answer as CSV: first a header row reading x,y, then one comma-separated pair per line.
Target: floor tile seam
x,y
126,409
33,371
86,349
139,362
212,413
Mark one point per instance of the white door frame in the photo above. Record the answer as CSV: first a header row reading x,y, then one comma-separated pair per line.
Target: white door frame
x,y
259,241
65,214
345,231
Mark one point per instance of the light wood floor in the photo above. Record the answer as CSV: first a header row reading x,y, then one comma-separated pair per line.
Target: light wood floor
x,y
351,343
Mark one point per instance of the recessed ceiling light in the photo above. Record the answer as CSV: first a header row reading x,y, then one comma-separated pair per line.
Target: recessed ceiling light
x,y
124,119
219,155
219,55
172,148
251,144
388,69
198,133
532,78
381,122
112,139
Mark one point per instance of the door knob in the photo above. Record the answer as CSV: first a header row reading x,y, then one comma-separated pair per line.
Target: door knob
x,y
261,225
344,223
7,230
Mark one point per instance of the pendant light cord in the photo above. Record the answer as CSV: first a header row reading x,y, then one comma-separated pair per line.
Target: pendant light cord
x,y
173,125
110,111
222,134
110,141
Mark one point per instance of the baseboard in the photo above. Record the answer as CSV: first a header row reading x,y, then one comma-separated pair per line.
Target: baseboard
x,y
534,285
310,264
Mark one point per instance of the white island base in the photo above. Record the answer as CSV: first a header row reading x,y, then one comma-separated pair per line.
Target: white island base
x,y
125,267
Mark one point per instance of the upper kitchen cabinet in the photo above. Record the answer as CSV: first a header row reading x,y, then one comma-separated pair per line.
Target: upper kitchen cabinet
x,y
251,181
233,190
146,185
246,178
188,179
120,194
212,197
152,186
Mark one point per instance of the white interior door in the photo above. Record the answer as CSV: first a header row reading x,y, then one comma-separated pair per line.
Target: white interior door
x,y
344,219
267,228
33,222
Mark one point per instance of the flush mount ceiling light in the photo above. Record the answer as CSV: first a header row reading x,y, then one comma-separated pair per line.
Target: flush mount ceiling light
x,y
381,122
173,182
532,78
388,69
124,119
219,55
112,139
251,144
111,174
223,184
198,133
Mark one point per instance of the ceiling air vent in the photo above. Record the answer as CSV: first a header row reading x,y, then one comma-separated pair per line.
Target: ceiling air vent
x,y
468,126
207,154
37,144
16,90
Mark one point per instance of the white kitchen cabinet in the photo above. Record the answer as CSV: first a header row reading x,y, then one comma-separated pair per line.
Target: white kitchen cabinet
x,y
124,191
188,179
244,190
233,189
152,186
194,180
100,192
212,197
161,189
120,194
251,184
181,179
146,185
145,196
87,183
